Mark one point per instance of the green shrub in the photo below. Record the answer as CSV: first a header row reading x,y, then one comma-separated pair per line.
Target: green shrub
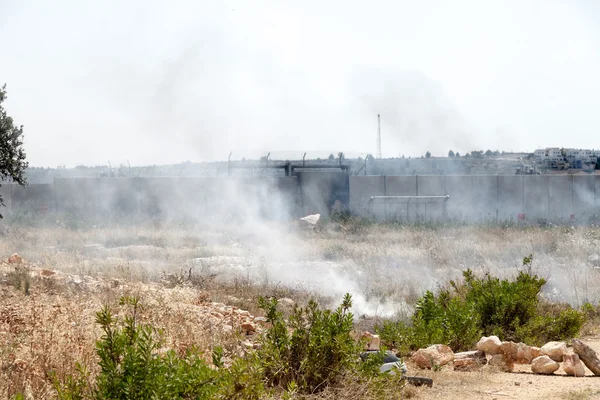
x,y
460,313
310,351
502,305
546,328
132,368
314,349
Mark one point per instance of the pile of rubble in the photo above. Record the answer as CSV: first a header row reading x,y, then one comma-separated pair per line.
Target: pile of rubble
x,y
504,355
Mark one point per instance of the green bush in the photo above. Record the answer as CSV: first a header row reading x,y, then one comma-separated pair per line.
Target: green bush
x,y
311,351
460,313
132,368
546,328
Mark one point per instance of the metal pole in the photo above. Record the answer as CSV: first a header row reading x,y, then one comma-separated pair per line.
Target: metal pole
x,y
303,159
378,136
229,164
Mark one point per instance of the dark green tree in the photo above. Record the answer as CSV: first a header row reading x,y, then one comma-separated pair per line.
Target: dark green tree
x,y
12,155
450,153
428,155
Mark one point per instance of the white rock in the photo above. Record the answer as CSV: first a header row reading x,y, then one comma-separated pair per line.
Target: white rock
x,y
489,345
544,365
554,350
310,221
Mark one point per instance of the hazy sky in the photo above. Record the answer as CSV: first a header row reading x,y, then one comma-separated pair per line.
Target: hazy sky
x,y
163,82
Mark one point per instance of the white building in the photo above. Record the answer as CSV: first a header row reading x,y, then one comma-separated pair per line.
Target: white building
x,y
540,155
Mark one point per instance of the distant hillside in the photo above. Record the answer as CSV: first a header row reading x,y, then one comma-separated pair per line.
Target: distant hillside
x,y
472,165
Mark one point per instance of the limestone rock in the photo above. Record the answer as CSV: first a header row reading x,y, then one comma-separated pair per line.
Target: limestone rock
x,y
572,365
310,221
489,345
587,355
526,354
469,360
373,342
248,327
438,355
554,350
15,259
509,350
500,361
544,365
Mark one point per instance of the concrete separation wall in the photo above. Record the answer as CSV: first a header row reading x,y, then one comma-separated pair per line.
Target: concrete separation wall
x,y
403,198
511,200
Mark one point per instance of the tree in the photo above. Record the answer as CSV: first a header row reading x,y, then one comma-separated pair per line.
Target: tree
x,y
450,153
428,155
457,154
331,157
489,153
12,155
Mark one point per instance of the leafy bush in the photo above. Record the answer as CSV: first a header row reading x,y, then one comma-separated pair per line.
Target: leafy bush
x,y
502,305
459,314
311,351
132,368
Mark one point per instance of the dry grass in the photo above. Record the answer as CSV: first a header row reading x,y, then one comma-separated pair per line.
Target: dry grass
x,y
177,269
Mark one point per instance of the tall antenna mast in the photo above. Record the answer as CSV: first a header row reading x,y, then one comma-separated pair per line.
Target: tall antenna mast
x,y
378,136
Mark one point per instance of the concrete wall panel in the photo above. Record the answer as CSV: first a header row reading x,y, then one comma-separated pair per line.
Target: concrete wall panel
x,y
320,190
510,197
597,196
361,190
583,197
559,197
460,190
431,209
485,197
400,209
78,195
536,197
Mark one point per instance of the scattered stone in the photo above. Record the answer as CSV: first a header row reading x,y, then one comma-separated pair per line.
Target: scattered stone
x,y
227,328
469,360
15,259
47,273
554,350
509,350
248,327
587,355
286,302
572,365
436,355
489,345
310,221
544,365
526,354
373,342
501,362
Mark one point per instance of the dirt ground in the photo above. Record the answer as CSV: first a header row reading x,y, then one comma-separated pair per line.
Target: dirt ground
x,y
520,384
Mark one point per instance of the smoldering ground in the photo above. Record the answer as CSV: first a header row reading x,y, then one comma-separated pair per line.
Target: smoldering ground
x,y
244,230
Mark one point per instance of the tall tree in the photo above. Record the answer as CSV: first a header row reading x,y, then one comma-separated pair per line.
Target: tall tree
x,y
12,155
450,153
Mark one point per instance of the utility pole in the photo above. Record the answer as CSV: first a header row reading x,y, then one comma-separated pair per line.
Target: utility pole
x,y
378,136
